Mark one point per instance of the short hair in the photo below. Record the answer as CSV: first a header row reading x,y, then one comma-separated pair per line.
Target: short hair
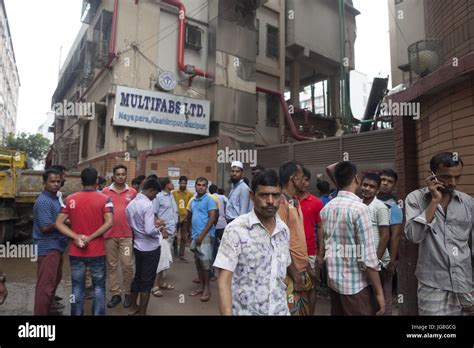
x,y
183,178
101,180
119,166
390,173
344,173
213,189
58,167
164,181
307,173
141,177
267,177
446,159
374,177
152,176
258,167
49,172
287,170
220,191
89,176
246,180
136,182
323,187
152,183
201,178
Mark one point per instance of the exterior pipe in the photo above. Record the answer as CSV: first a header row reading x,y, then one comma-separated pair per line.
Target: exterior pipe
x,y
289,120
181,31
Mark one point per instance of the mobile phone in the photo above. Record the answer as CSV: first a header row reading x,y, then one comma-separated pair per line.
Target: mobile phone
x,y
435,178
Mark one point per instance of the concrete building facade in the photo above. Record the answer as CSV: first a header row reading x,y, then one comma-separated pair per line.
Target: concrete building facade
x,y
9,78
231,59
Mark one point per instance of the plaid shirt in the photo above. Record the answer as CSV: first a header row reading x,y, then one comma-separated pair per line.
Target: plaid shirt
x,y
349,244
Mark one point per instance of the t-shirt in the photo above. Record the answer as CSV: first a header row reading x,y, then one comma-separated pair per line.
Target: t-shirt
x,y
325,199
311,207
222,202
86,210
292,216
200,207
182,199
379,218
120,228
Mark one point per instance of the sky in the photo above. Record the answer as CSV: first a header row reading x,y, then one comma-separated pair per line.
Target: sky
x,y
40,28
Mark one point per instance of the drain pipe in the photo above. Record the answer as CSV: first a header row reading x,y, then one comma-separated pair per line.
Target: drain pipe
x,y
284,106
187,69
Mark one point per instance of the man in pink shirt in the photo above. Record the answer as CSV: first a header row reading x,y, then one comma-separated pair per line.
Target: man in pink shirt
x,y
118,240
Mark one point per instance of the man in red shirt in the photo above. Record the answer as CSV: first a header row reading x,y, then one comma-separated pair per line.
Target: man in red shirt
x,y
118,240
91,215
311,207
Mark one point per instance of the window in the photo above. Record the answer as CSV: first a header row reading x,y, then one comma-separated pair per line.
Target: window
x,y
85,140
272,41
193,37
100,131
101,38
272,110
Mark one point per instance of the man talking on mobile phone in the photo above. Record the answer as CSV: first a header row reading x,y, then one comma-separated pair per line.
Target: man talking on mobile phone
x,y
440,219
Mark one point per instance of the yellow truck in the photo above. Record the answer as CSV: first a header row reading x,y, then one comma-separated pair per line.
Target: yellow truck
x,y
19,188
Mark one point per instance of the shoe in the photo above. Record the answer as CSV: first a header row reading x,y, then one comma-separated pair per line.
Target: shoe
x,y
89,293
127,302
114,301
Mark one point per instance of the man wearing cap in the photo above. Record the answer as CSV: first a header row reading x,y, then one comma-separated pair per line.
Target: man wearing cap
x,y
239,196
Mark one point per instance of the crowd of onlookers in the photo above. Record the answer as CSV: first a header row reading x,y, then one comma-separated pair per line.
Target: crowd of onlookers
x,y
270,243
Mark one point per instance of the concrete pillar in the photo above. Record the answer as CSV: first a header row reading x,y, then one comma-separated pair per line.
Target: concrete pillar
x,y
295,70
335,96
406,167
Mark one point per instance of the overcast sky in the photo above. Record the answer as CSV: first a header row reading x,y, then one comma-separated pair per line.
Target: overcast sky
x,y
40,28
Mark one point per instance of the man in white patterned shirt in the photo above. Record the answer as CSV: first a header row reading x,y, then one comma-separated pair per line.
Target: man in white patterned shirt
x,y
254,255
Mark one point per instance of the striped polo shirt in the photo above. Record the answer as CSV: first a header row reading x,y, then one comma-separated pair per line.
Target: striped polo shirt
x,y
45,212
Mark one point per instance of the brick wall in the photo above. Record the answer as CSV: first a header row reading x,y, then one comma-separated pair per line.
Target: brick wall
x,y
452,21
447,124
193,162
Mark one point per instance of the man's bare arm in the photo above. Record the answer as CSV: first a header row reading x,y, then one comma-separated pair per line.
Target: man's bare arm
x,y
224,288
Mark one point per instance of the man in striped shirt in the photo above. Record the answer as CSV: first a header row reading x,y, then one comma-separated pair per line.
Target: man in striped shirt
x,y
350,252
50,242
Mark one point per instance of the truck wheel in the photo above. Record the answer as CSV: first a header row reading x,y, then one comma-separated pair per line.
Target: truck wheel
x,y
7,232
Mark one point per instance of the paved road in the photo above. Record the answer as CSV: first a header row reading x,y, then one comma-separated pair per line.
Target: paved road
x,y
21,274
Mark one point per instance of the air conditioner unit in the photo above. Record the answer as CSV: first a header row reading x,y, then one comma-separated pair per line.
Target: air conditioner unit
x,y
193,37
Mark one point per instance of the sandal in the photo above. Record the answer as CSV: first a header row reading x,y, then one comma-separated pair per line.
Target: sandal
x,y
166,286
196,280
196,292
156,292
205,298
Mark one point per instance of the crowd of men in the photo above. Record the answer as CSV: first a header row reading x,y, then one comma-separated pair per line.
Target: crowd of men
x,y
271,246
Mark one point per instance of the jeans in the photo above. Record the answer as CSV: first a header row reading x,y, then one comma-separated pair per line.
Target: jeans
x,y
97,266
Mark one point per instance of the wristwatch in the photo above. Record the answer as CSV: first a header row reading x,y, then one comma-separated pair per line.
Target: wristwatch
x,y
3,277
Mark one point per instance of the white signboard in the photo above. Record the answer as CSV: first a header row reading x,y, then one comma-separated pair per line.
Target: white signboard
x,y
153,110
173,172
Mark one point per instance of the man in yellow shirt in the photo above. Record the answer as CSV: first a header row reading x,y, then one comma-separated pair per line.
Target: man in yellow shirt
x,y
182,197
